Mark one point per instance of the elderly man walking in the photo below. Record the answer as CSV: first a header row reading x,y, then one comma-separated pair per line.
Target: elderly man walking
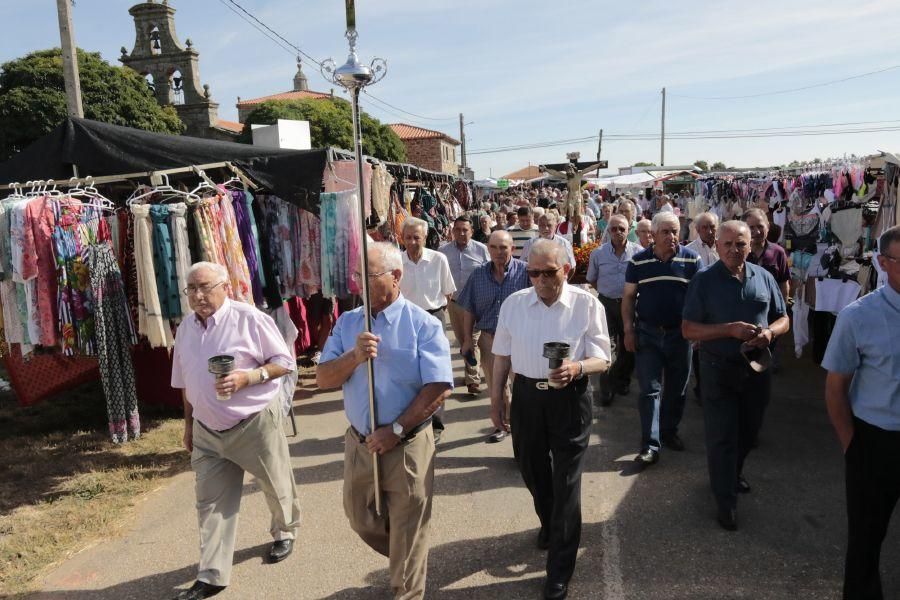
x,y
606,274
488,287
413,377
656,282
232,424
862,393
547,227
464,255
551,412
732,308
705,245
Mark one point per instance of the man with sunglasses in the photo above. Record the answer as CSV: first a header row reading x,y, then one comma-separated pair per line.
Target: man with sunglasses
x,y
551,414
606,274
239,433
862,393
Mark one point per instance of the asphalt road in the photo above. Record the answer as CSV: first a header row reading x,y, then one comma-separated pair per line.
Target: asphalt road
x,y
649,535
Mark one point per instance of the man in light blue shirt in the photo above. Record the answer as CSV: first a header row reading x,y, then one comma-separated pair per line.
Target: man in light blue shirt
x,y
413,377
606,273
464,255
862,393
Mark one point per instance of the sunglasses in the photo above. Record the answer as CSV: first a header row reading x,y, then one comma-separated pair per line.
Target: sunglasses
x,y
535,273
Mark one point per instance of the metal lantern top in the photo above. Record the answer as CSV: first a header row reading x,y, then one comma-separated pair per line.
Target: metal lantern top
x,y
354,75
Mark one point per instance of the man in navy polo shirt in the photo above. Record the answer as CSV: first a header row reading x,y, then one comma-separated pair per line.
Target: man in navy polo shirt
x,y
731,303
655,284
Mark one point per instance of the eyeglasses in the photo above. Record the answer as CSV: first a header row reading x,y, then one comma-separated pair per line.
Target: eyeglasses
x,y
358,276
203,289
535,273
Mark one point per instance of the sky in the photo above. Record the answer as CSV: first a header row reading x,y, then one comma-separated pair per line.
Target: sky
x,y
525,73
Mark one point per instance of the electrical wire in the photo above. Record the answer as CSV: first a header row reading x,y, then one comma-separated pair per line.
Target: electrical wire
x,y
791,90
275,33
379,100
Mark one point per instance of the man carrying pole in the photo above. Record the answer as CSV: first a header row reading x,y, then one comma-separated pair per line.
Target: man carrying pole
x,y
413,377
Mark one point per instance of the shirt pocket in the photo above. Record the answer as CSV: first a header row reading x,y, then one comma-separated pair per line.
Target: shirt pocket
x,y
402,364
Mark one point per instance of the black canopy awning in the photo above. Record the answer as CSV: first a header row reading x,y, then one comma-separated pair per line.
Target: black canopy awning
x,y
100,149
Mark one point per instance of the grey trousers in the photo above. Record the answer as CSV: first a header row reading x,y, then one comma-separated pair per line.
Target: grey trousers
x,y
219,459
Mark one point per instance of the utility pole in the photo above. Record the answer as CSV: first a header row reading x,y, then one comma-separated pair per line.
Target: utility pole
x,y
70,59
462,143
599,148
662,136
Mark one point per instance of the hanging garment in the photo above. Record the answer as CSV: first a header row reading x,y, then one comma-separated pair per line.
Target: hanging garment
x,y
847,226
800,324
832,295
75,300
164,263
340,176
381,191
178,229
23,263
248,243
328,228
206,223
150,318
251,215
41,271
268,254
310,251
115,336
233,250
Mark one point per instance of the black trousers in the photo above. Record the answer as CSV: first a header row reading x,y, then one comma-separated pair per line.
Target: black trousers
x,y
618,375
550,433
734,402
873,487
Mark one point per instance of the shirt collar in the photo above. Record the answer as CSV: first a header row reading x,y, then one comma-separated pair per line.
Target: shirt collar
x,y
216,317
427,255
393,310
891,295
565,297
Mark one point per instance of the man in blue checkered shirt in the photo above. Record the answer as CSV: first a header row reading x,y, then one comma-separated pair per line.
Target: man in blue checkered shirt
x,y
481,298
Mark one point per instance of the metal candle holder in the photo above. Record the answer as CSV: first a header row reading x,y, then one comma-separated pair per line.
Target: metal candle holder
x,y
353,76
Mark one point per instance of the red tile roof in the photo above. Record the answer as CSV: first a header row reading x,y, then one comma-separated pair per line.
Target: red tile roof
x,y
230,126
529,172
411,132
292,95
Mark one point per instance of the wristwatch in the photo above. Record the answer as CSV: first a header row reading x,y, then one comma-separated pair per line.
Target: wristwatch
x,y
397,429
263,375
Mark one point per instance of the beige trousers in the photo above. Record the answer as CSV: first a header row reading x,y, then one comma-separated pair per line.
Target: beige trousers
x,y
485,342
401,532
219,460
456,313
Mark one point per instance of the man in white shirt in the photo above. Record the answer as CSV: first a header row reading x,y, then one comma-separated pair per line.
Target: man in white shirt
x,y
551,411
706,225
427,283
547,227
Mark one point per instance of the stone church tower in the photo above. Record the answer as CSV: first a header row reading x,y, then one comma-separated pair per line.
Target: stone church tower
x,y
172,70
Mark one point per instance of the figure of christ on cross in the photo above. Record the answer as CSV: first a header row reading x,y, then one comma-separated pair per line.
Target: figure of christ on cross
x,y
573,183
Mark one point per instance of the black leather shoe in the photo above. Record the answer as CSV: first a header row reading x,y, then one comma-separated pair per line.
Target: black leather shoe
x,y
673,442
647,457
498,436
543,539
742,486
199,590
280,550
727,518
555,591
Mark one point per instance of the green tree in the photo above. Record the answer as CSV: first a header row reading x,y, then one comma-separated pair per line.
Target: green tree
x,y
702,165
644,164
718,166
33,98
330,124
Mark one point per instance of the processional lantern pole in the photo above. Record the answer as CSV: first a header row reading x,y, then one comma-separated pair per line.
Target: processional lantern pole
x,y
354,76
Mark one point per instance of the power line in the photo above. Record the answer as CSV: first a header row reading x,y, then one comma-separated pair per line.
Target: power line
x,y
275,33
288,49
407,112
689,136
791,90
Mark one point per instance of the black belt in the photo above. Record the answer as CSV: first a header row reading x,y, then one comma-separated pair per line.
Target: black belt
x,y
608,299
408,436
435,310
659,328
544,385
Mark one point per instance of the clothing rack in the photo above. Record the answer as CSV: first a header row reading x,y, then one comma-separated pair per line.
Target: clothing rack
x,y
154,176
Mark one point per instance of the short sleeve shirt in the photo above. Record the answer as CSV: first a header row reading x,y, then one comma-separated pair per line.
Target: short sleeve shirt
x,y
774,260
661,285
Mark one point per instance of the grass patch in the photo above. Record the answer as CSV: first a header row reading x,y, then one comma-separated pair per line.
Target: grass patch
x,y
64,484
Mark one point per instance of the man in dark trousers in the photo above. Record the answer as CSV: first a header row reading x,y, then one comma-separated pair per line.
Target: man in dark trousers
x,y
862,393
551,411
733,304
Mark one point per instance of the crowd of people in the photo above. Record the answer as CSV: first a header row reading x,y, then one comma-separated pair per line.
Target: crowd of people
x,y
660,304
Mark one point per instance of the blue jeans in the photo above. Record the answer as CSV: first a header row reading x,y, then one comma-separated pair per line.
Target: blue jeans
x,y
663,366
